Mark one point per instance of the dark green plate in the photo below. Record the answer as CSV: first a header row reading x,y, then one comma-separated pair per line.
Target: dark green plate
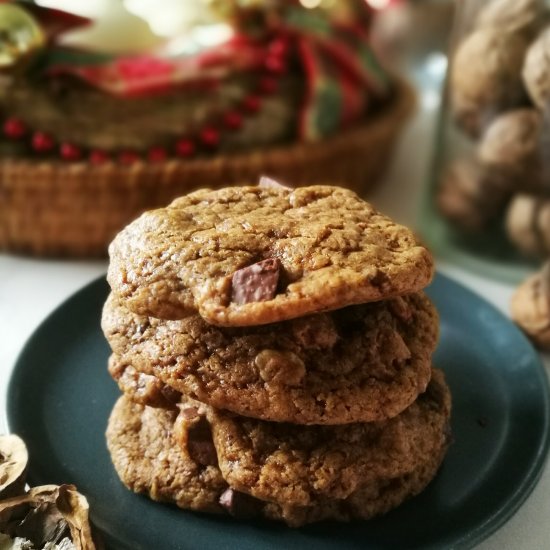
x,y
60,396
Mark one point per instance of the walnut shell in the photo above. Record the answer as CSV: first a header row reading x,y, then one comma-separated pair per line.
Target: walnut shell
x,y
467,197
511,150
530,307
47,514
528,224
513,15
13,466
486,77
536,70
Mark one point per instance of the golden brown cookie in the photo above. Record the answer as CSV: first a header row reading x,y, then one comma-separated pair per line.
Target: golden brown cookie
x,y
301,465
145,389
245,256
370,500
148,454
148,459
357,364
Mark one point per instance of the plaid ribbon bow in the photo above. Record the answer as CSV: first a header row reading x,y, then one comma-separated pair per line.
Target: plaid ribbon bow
x,y
342,74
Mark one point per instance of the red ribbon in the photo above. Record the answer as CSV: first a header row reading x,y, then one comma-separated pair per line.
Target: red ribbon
x,y
147,75
341,74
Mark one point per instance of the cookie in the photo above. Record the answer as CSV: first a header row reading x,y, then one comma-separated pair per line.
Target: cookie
x,y
246,256
145,389
149,459
358,364
370,500
302,465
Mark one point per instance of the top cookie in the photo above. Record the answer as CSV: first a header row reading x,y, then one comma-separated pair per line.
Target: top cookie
x,y
244,256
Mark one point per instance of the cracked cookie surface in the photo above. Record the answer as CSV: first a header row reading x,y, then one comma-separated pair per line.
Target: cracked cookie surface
x,y
334,250
301,465
148,459
149,456
357,364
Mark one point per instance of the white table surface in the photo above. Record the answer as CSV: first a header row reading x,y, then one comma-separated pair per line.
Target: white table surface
x,y
30,289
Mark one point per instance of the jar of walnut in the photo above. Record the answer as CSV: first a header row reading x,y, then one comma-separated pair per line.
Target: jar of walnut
x,y
491,184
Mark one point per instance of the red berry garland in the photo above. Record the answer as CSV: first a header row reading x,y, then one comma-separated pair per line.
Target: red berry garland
x,y
252,104
97,156
14,128
268,85
209,137
68,151
42,142
233,120
157,154
128,157
185,148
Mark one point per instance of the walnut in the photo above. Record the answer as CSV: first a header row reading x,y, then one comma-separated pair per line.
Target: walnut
x,y
143,388
511,150
13,465
467,197
536,70
486,77
528,224
49,516
513,15
530,307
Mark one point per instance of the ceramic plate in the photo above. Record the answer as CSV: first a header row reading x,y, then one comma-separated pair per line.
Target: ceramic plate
x,y
60,396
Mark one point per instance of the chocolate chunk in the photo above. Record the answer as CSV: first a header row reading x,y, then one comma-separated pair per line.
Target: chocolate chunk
x,y
43,524
200,445
145,388
271,183
379,279
171,395
256,283
240,505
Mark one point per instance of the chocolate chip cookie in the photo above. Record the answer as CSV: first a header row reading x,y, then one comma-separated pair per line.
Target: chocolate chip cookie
x,y
358,364
246,256
148,459
173,457
301,465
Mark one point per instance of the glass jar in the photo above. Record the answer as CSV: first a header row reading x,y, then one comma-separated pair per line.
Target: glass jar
x,y
488,207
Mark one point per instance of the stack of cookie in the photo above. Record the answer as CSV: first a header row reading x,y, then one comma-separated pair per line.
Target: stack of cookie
x,y
274,350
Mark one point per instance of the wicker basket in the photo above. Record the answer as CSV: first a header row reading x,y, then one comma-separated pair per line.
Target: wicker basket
x,y
58,209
